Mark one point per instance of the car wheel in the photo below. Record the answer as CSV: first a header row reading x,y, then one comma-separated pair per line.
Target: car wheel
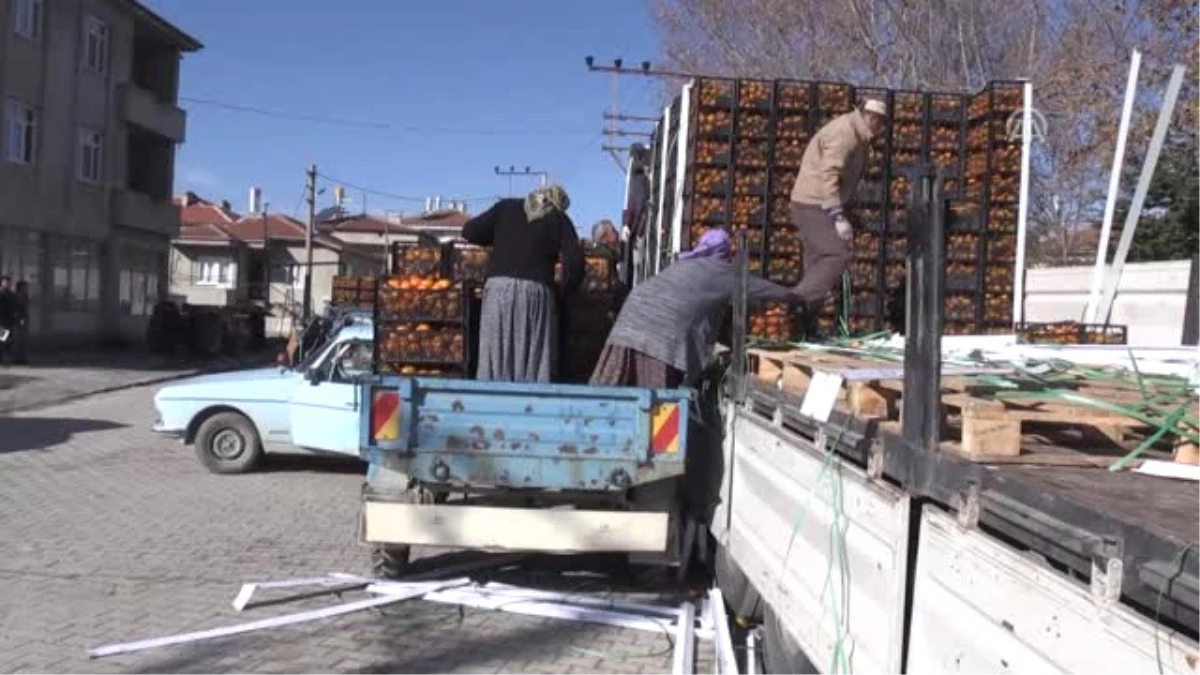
x,y
390,561
228,443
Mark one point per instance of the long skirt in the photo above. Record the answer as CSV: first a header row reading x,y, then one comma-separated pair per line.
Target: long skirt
x,y
625,367
518,332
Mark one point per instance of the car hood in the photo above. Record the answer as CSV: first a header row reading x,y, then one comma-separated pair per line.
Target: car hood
x,y
272,383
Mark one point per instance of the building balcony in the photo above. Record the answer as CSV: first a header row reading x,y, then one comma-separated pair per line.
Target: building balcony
x,y
141,211
205,296
142,108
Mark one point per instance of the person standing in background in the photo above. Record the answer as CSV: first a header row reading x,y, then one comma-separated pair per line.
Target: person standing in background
x,y
519,324
8,318
830,170
21,331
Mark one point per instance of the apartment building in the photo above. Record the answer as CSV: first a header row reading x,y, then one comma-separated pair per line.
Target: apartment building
x,y
89,95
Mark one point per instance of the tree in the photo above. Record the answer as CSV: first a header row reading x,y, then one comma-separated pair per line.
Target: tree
x,y
1169,227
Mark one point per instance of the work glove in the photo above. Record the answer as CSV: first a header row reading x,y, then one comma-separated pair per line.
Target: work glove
x,y
840,223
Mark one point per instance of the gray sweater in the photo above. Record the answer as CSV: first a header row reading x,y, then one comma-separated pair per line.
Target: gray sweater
x,y
674,316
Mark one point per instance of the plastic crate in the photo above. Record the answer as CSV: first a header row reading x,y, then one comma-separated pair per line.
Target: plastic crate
x,y
754,94
399,300
715,93
774,322
793,95
947,109
421,344
1072,333
419,259
470,263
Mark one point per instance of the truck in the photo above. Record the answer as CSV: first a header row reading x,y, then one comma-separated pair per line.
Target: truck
x,y
865,539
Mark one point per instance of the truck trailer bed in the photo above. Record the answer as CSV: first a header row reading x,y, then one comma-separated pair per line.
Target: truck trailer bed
x,y
1078,518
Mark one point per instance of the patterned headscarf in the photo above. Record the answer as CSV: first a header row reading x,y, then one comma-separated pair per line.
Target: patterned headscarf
x,y
545,200
714,244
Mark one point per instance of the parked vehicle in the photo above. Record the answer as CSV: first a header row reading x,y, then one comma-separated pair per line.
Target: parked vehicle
x,y
232,419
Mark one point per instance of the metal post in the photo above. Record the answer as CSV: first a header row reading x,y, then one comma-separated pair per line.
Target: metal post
x,y
1191,313
1139,195
1114,183
1023,204
308,241
921,416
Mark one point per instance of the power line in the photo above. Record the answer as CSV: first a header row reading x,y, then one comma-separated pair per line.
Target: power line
x,y
392,195
406,128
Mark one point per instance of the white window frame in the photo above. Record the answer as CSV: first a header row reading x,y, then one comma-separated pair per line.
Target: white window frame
x,y
95,44
28,16
296,272
21,122
216,270
91,155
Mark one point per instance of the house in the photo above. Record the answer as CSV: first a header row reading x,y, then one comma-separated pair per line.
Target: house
x,y
379,233
89,103
224,259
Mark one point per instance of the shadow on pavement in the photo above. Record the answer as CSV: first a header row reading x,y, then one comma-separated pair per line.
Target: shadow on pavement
x,y
301,463
8,381
41,433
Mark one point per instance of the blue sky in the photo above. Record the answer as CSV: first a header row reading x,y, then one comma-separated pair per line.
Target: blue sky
x,y
423,69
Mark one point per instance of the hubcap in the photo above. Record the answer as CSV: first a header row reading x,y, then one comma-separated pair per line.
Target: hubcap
x,y
228,444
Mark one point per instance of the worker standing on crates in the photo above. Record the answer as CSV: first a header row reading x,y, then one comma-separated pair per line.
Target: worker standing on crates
x,y
829,173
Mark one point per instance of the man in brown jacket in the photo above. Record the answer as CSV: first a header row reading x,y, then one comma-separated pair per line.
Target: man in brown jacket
x,y
829,173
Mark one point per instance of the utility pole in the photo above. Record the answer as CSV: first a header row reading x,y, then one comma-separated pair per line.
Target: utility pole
x,y
614,116
311,190
543,176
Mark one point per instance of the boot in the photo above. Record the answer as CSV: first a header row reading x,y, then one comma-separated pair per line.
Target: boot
x,y
809,327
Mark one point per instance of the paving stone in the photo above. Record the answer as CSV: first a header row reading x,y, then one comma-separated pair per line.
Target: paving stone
x,y
113,534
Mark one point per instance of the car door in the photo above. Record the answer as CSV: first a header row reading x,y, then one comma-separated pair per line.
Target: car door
x,y
325,406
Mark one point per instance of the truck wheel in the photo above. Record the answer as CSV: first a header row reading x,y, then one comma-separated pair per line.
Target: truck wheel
x,y
743,600
228,443
390,561
780,653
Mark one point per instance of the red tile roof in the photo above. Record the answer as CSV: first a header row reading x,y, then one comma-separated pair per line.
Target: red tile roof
x,y
277,226
194,210
204,232
372,225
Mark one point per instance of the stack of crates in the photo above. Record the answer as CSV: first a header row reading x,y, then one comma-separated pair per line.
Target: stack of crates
x,y
421,315
589,314
745,142
353,292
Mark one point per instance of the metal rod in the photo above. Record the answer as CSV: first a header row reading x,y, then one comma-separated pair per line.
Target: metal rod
x,y
683,660
1023,203
622,133
1114,184
629,118
1139,196
647,72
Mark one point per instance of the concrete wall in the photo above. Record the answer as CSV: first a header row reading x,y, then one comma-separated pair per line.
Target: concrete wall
x,y
1150,299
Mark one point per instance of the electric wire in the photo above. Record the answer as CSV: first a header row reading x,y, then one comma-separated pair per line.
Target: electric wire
x,y
383,126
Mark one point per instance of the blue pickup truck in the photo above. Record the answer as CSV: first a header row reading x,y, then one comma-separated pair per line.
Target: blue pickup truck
x,y
457,463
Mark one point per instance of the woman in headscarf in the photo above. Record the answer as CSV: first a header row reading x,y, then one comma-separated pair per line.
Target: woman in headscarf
x,y
518,324
668,325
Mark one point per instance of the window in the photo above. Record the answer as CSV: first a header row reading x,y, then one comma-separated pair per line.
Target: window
x,y
215,271
95,45
27,18
91,155
75,275
20,132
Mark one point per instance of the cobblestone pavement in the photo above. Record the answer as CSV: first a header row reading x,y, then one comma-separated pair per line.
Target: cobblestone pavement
x,y
111,534
55,378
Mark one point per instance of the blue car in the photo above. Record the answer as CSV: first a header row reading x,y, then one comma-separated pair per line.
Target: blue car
x,y
233,419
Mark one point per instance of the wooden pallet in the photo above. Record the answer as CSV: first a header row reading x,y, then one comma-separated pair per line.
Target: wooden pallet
x,y
988,430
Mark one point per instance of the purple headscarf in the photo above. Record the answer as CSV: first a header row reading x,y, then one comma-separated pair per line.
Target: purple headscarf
x,y
714,244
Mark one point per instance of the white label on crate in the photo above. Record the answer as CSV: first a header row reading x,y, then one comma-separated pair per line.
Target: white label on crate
x,y
821,396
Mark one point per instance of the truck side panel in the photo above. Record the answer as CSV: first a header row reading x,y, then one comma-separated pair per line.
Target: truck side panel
x,y
980,606
527,435
825,547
